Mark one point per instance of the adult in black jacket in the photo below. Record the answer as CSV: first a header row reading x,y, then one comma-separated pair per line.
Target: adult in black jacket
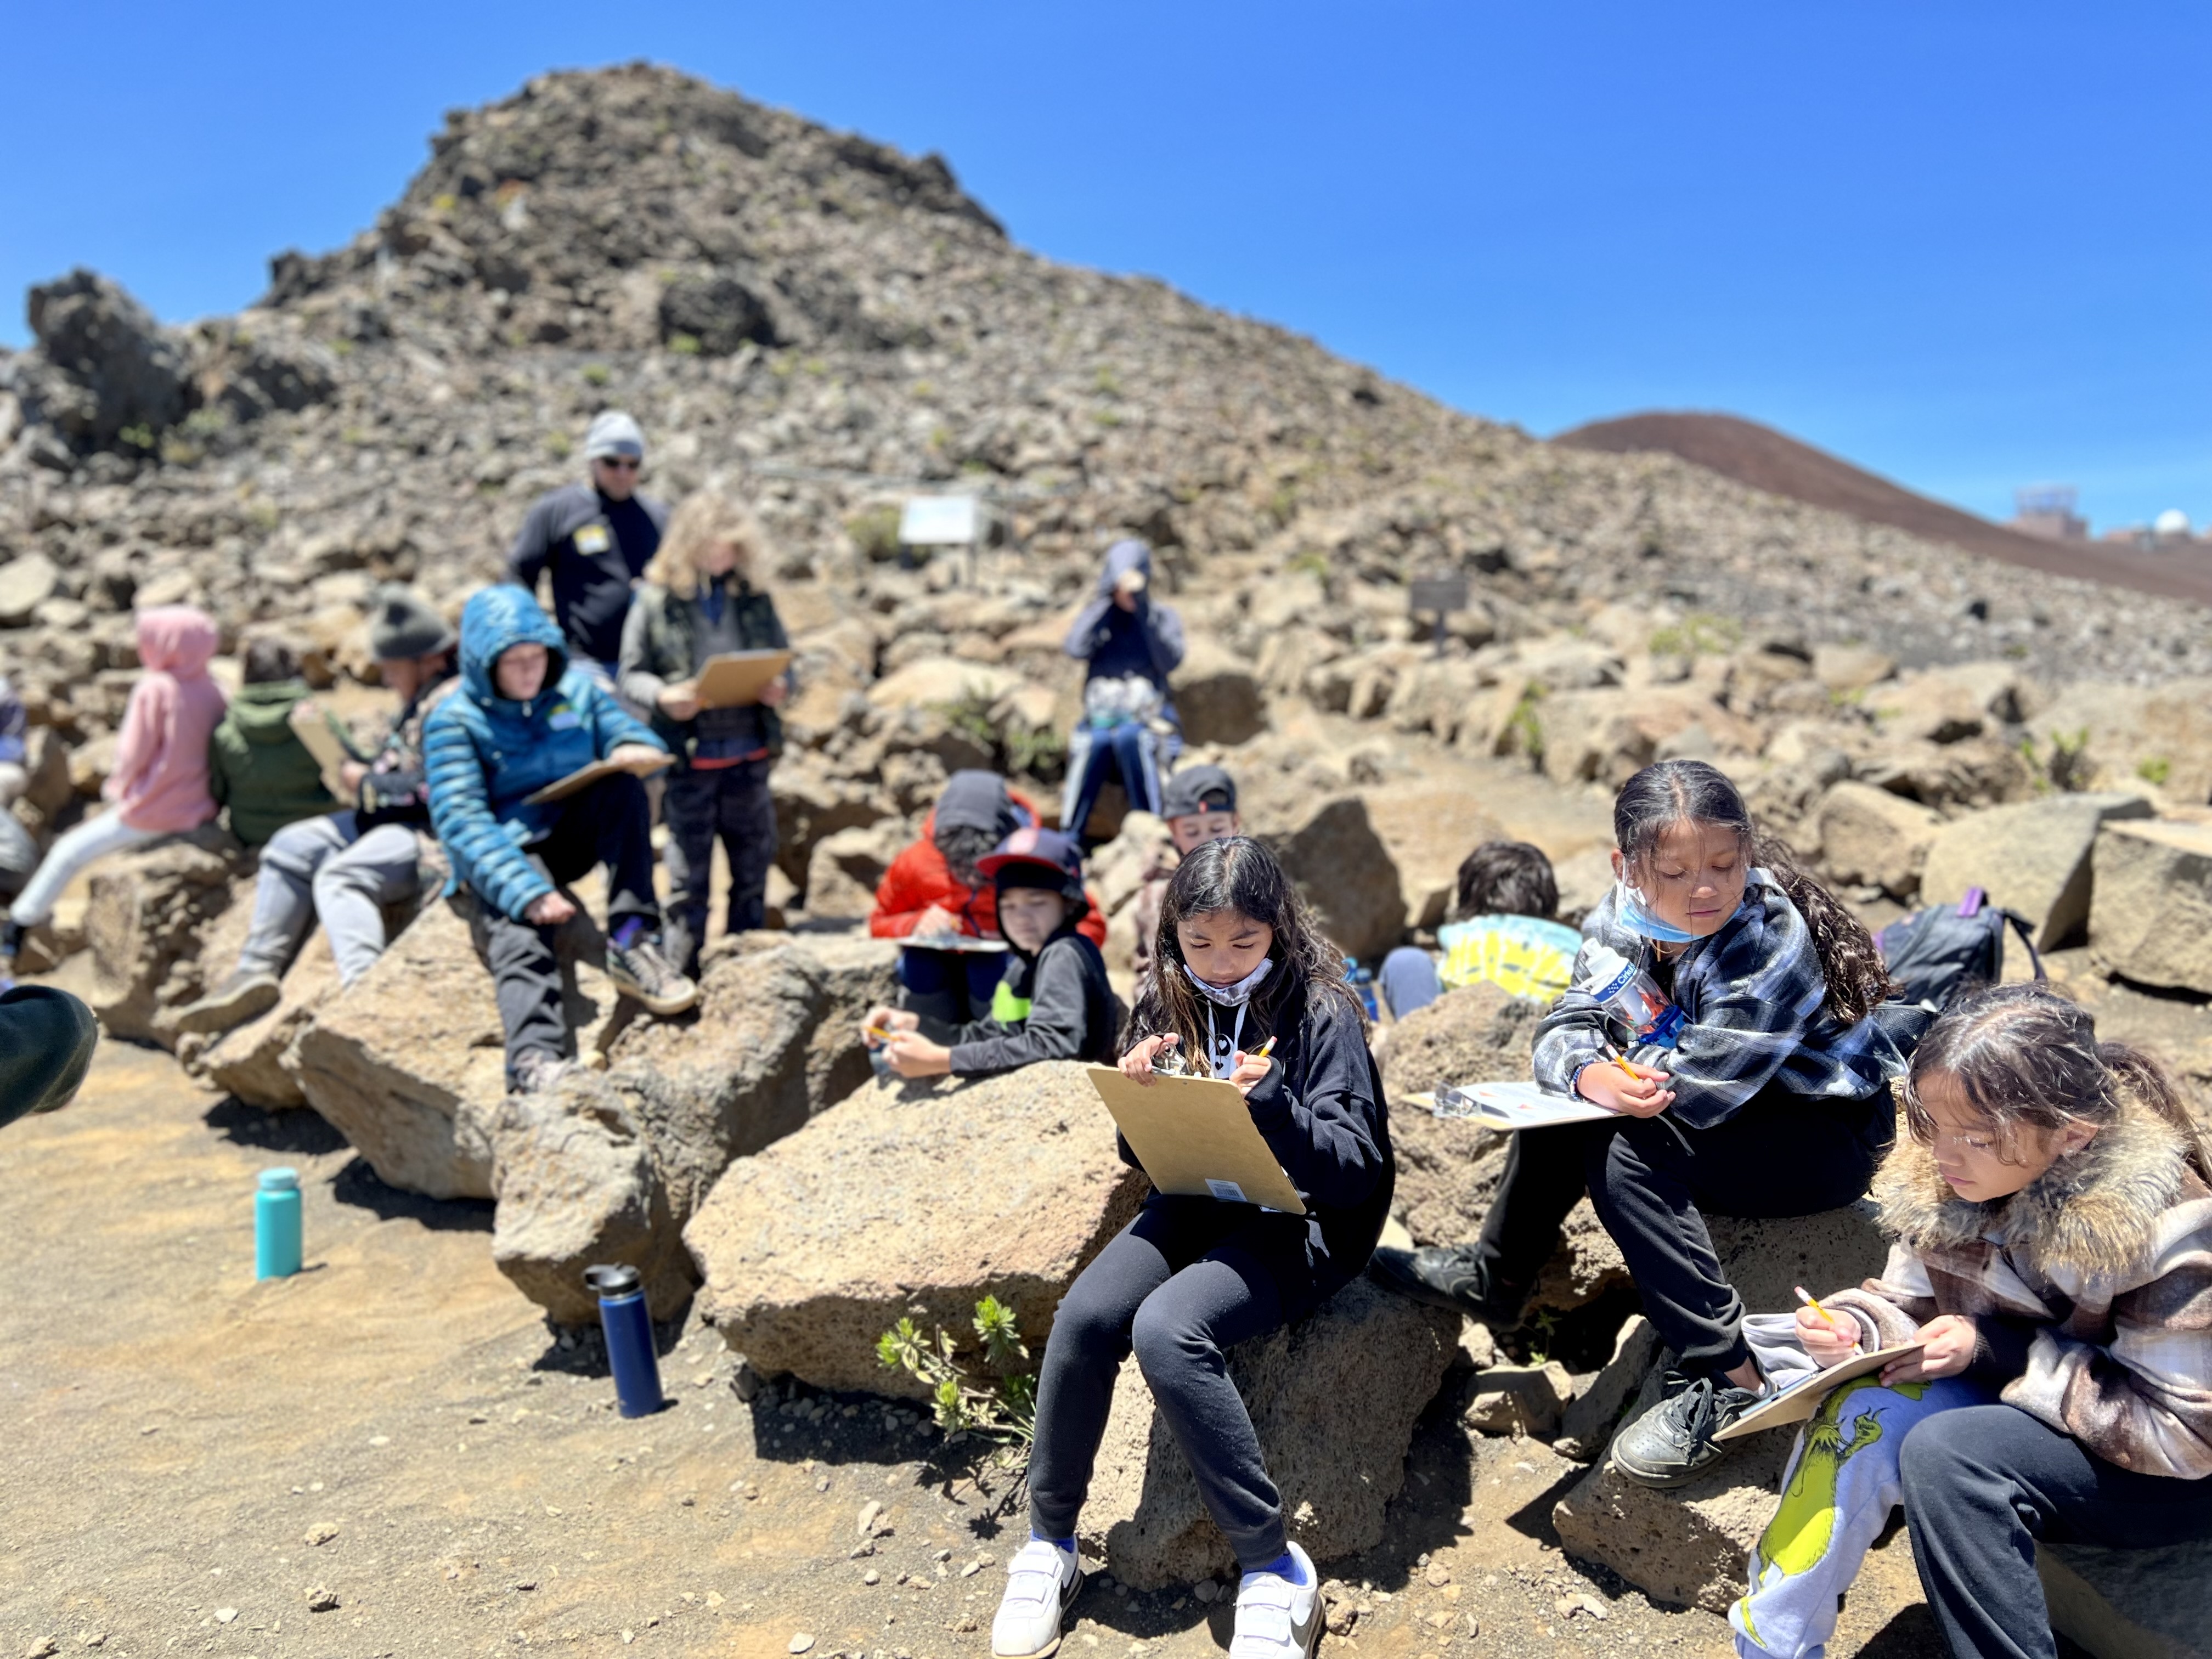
x,y
596,539
1054,1002
1239,964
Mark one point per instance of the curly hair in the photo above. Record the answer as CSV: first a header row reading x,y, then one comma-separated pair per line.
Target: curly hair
x,y
1673,792
707,518
2026,1058
1507,879
1237,874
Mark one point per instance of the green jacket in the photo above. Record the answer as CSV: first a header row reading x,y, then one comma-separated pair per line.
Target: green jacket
x,y
258,771
660,646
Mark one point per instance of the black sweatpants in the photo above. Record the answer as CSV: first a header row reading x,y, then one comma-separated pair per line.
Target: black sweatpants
x,y
1648,1178
732,803
1188,1278
1983,1483
606,823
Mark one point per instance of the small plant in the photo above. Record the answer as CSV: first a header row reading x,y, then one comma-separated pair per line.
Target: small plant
x,y
1105,383
444,202
342,347
1308,562
684,345
1526,724
558,445
1040,753
139,437
874,530
970,715
2067,767
1699,635
1002,1406
2155,770
597,374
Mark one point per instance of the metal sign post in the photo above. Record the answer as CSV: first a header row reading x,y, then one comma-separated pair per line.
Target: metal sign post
x,y
1436,597
945,521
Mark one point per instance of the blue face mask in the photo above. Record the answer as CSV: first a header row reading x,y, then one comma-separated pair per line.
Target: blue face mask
x,y
1634,912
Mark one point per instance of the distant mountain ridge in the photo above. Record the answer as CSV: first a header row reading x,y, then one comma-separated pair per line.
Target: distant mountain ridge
x,y
1782,466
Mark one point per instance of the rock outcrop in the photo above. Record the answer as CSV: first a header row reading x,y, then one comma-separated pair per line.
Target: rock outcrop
x,y
2033,857
149,921
2152,920
910,1198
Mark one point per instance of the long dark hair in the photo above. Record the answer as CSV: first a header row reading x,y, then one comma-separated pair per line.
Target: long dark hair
x,y
2025,1057
1238,874
1673,792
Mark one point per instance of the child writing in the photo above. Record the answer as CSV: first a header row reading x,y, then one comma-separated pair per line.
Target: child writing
x,y
1055,1002
1506,899
1769,1096
1241,970
159,784
701,598
2053,1245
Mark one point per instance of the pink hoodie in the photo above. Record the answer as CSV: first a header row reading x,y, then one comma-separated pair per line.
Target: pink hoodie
x,y
160,777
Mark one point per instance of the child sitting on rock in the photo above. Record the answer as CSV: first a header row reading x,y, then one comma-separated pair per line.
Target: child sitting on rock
x,y
1759,1087
932,895
521,719
1054,1003
2053,1251
1199,805
701,598
258,771
159,786
1504,935
1240,968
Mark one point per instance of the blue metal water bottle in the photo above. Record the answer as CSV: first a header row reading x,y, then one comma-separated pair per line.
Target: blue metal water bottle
x,y
630,1337
276,1224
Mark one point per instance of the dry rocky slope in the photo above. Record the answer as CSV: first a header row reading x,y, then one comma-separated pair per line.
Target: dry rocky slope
x,y
818,322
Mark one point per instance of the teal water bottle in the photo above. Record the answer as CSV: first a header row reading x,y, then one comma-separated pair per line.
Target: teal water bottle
x,y
276,1224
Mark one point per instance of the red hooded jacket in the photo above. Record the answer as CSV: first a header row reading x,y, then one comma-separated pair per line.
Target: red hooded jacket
x,y
918,878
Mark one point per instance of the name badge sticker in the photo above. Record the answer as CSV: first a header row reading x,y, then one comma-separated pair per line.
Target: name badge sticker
x,y
594,538
564,718
1227,1191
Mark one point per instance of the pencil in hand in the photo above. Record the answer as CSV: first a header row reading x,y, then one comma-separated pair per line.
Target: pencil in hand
x,y
1615,1055
1807,1297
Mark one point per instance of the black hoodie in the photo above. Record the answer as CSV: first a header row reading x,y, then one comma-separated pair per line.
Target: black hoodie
x,y
1055,1005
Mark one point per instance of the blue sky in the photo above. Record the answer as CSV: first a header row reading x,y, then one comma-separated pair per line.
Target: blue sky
x,y
1968,246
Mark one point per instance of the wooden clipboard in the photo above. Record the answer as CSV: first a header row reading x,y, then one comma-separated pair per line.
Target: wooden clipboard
x,y
1796,1403
1196,1139
585,776
320,739
735,678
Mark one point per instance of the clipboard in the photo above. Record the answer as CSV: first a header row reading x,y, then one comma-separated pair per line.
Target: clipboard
x,y
1518,1104
585,776
320,739
1196,1139
736,679
966,944
1797,1402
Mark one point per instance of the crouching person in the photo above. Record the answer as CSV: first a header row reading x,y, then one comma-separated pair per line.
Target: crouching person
x,y
342,869
520,720
1055,1002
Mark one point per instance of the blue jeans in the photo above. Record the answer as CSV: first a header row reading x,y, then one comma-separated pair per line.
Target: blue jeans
x,y
1408,980
952,986
1133,753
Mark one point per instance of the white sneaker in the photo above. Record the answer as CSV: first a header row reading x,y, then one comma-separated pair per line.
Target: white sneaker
x,y
1276,1619
1043,1582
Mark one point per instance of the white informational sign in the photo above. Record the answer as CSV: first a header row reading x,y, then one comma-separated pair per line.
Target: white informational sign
x,y
941,521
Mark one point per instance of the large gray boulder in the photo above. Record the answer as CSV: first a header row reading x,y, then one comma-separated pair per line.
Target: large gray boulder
x,y
2033,857
2151,921
115,369
1871,837
1330,849
2129,1604
911,1198
610,1168
259,1061
147,919
1334,1399
1219,696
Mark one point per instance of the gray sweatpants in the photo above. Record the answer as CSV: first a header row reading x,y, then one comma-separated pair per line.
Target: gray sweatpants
x,y
324,869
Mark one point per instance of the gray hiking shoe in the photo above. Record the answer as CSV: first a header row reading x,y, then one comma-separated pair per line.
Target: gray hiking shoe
x,y
1673,1441
644,975
244,996
1446,1277
535,1073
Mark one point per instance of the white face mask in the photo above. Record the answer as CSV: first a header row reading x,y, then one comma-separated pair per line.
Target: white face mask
x,y
1232,996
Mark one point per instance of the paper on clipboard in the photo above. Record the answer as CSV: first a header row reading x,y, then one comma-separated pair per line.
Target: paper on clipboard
x,y
736,679
1797,1402
960,943
1514,1105
320,739
585,776
1196,1139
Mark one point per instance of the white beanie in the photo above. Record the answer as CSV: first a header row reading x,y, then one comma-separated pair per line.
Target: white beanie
x,y
613,433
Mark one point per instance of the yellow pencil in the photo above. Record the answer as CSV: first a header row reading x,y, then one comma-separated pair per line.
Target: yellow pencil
x,y
1266,1049
878,1032
1806,1297
1614,1055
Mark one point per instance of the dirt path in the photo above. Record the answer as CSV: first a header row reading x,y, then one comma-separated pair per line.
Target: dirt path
x,y
178,1435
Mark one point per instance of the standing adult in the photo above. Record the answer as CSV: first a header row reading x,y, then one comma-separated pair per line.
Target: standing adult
x,y
1129,725
595,540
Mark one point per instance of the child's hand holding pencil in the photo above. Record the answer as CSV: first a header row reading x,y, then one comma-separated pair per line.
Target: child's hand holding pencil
x,y
1829,1339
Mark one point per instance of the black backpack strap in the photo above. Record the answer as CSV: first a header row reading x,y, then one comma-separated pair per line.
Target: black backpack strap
x,y
2026,929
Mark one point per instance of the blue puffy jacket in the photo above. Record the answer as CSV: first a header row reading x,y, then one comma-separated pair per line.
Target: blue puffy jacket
x,y
484,753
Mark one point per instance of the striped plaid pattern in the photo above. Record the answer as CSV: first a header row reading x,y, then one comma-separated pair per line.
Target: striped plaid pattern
x,y
1753,996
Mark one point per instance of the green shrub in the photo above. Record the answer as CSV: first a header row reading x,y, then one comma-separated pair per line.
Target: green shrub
x,y
874,530
684,345
597,374
2155,770
1699,635
1001,1405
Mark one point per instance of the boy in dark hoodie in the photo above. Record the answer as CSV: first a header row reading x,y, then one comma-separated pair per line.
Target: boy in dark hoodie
x,y
522,719
1129,726
1055,1002
258,771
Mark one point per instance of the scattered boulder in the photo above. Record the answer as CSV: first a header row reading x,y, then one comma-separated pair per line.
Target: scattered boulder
x,y
2126,736
120,371
1843,668
811,806
1330,849
2033,857
846,868
145,922
1586,1428
1871,838
1218,695
1764,1258
258,1061
1944,705
812,1250
2129,1603
1520,1400
939,682
1334,1399
27,582
2151,921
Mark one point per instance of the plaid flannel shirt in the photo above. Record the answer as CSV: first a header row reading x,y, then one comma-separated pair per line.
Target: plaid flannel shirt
x,y
1753,999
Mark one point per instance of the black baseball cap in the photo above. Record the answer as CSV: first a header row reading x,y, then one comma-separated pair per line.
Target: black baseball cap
x,y
1198,789
1031,856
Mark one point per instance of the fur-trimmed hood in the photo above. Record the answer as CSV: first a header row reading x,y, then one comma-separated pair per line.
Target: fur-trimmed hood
x,y
2094,1215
